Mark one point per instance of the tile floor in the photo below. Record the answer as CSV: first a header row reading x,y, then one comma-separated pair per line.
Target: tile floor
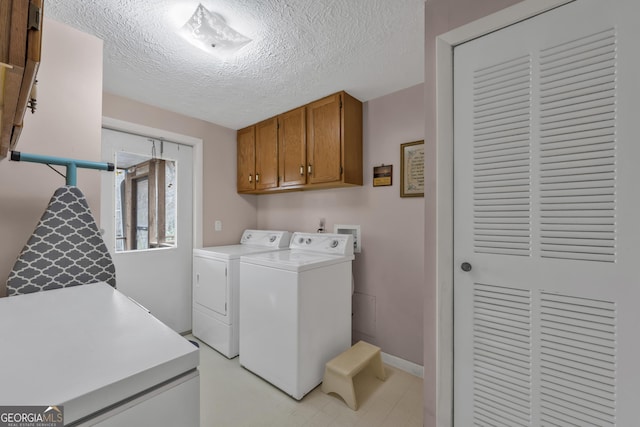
x,y
231,396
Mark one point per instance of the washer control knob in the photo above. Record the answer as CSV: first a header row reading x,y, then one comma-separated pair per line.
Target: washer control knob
x,y
301,240
308,241
465,266
334,243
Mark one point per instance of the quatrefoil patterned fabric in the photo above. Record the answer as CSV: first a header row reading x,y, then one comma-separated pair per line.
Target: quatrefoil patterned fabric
x,y
66,249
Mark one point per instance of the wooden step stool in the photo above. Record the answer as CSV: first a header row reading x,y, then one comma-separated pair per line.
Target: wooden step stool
x,y
339,371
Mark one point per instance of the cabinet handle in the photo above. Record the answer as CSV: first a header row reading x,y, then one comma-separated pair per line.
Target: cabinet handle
x,y
257,177
301,170
250,178
309,169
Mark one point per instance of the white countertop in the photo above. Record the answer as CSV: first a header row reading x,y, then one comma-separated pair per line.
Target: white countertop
x,y
84,347
295,260
233,251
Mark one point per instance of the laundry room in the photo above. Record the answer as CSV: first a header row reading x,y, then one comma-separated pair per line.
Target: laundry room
x,y
346,270
387,275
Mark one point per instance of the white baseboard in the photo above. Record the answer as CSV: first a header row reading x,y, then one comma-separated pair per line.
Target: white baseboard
x,y
404,365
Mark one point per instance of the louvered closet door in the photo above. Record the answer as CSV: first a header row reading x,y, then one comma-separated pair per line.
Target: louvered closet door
x,y
546,211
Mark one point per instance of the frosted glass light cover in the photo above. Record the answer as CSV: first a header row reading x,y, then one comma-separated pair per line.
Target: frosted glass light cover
x,y
209,31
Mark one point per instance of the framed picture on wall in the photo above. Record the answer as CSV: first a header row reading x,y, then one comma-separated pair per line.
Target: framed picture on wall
x,y
382,175
412,169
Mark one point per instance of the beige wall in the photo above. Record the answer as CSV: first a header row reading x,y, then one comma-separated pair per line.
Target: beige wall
x,y
220,199
66,124
388,274
440,16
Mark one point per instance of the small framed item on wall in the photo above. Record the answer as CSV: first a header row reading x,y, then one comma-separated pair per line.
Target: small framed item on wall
x,y
382,175
412,169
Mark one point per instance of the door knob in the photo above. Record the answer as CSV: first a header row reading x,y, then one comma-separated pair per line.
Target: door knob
x,y
465,266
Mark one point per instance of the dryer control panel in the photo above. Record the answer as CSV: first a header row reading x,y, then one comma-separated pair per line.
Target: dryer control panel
x,y
337,244
273,239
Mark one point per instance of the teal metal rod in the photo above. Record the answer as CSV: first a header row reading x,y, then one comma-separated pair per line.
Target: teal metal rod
x,y
71,164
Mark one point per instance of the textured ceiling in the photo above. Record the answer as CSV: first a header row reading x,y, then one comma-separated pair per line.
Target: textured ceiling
x,y
301,50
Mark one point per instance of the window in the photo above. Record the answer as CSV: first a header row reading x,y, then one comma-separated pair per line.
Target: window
x,y
145,202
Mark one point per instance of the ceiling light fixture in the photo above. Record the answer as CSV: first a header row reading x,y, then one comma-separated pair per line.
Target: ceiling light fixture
x,y
209,31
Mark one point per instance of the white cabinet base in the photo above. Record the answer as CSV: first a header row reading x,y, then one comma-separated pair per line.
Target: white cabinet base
x,y
174,404
220,336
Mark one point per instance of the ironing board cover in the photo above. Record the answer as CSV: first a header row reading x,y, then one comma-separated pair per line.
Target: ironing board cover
x,y
66,249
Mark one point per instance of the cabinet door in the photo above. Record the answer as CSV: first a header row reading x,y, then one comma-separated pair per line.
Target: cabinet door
x,y
246,158
210,284
324,145
292,144
267,154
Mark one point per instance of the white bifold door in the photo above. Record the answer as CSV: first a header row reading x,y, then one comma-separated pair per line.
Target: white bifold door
x,y
546,220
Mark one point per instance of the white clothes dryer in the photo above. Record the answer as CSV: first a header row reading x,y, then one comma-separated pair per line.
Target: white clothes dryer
x,y
296,310
216,275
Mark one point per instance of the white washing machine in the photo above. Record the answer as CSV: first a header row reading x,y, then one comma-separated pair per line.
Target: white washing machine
x,y
296,310
216,272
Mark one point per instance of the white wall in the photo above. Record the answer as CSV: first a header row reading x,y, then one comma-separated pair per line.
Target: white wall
x,y
66,124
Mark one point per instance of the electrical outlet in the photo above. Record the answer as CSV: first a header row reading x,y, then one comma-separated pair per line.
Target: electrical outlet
x,y
217,225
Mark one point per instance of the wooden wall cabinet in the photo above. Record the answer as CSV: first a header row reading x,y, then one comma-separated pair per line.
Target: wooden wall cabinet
x,y
246,159
258,157
20,43
334,141
292,148
267,154
319,145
